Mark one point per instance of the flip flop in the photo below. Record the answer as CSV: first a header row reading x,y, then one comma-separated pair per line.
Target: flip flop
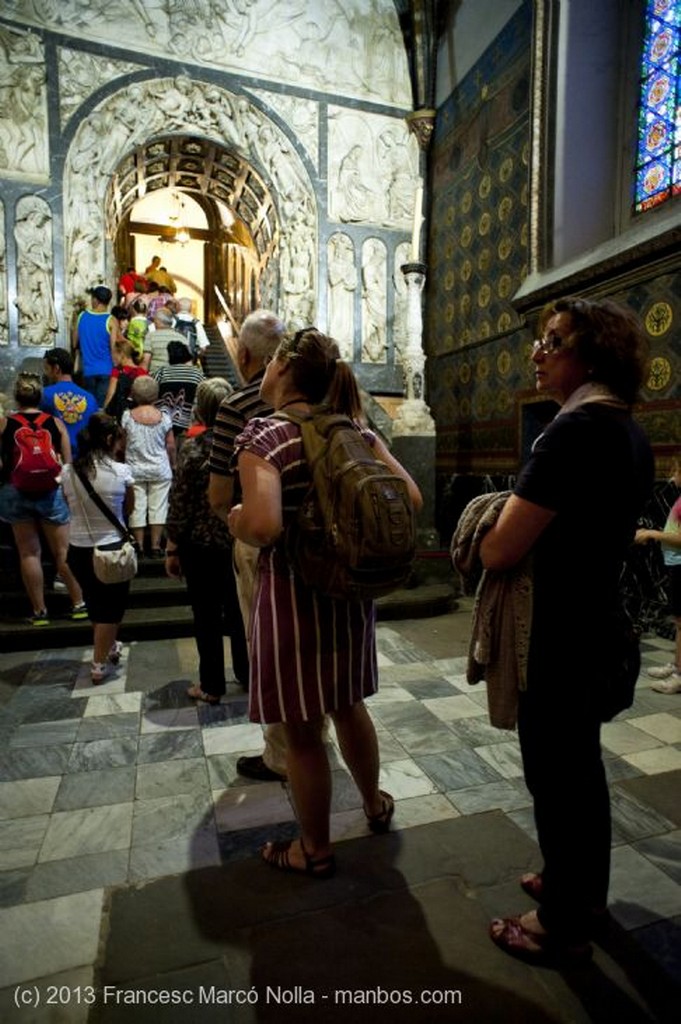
x,y
196,693
509,934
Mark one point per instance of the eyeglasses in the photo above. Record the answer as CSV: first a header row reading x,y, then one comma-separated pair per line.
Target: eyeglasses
x,y
551,342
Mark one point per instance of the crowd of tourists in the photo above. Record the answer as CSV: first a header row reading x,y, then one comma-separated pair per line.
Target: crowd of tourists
x,y
219,478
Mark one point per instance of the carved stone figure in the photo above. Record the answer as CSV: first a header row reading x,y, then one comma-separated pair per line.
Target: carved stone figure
x,y
80,74
4,321
302,116
401,304
297,277
355,200
343,282
35,298
398,176
23,116
374,295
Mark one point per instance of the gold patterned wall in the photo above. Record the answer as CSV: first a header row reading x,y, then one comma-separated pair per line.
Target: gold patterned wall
x,y
478,254
480,383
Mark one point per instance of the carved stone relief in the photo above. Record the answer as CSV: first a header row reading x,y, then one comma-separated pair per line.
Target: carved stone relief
x,y
373,169
4,315
23,106
401,312
354,48
35,278
343,281
302,117
188,106
374,298
80,74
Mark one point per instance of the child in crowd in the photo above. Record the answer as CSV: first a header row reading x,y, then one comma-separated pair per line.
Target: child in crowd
x,y
138,326
124,373
668,677
150,453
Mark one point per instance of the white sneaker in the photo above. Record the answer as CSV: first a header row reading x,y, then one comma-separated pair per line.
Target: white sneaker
x,y
58,583
672,685
662,671
98,672
115,652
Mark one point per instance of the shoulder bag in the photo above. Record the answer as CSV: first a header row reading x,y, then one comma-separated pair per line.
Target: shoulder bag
x,y
112,563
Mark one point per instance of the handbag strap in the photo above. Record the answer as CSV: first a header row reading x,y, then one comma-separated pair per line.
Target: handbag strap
x,y
102,506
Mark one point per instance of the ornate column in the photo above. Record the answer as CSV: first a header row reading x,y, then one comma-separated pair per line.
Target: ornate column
x,y
414,415
413,425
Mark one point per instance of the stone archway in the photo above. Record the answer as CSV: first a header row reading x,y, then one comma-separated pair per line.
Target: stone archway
x,y
217,179
240,154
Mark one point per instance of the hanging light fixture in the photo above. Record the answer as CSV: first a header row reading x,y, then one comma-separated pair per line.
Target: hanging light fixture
x,y
182,234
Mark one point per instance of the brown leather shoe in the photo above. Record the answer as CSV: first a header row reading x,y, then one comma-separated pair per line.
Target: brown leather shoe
x,y
255,768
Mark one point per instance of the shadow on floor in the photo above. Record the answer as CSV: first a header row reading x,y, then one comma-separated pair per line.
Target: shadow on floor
x,y
399,934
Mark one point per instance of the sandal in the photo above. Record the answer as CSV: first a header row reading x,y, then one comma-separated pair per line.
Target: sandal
x,y
509,934
277,856
379,823
196,693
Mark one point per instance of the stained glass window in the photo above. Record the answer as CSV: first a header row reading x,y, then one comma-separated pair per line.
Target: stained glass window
x,y
658,161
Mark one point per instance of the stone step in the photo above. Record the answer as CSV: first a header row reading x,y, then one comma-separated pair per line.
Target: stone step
x,y
148,619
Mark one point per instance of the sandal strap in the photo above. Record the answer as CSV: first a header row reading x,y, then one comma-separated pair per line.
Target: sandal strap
x,y
277,856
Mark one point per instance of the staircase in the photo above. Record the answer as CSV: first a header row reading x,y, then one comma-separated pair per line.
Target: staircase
x,y
158,607
218,361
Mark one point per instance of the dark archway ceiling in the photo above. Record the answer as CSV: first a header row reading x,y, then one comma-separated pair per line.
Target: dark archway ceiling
x,y
205,169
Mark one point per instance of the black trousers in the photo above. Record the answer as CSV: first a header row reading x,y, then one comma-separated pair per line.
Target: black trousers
x,y
211,588
559,734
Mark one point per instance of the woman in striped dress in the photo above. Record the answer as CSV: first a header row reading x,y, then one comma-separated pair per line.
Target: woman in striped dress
x,y
311,654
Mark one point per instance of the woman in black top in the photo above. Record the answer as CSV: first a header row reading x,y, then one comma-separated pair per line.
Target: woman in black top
x,y
574,509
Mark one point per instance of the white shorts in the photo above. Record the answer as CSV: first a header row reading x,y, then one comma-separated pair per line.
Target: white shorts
x,y
151,503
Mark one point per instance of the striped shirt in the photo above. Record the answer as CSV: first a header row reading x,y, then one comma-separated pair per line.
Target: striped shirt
x,y
177,386
233,415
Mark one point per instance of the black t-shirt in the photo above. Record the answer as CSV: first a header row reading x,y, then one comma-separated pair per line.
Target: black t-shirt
x,y
594,468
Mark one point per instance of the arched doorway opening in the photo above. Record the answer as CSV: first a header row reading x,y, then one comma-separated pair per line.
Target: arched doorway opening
x,y
206,211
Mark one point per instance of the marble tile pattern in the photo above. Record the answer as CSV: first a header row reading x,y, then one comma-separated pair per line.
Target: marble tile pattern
x,y
128,782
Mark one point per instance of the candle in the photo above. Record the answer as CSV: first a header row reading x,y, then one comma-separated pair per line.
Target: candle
x,y
416,233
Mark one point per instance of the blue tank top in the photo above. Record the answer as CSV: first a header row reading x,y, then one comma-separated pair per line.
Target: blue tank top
x,y
95,346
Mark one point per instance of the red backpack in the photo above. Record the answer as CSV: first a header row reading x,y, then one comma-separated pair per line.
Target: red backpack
x,y
36,467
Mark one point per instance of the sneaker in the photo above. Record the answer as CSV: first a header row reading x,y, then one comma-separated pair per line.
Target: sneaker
x,y
114,654
98,671
662,671
255,768
58,583
672,684
79,611
39,618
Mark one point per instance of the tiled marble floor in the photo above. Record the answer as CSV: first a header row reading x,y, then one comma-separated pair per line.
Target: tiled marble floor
x,y
125,783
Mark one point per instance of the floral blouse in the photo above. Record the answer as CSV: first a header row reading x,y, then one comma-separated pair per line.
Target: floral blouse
x,y
190,518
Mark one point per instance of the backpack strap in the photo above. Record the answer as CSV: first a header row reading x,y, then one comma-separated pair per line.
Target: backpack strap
x,y
38,422
102,506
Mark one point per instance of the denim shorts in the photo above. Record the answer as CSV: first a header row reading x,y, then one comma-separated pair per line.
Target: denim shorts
x,y
16,507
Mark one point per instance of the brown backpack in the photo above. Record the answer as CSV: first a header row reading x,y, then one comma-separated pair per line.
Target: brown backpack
x,y
354,536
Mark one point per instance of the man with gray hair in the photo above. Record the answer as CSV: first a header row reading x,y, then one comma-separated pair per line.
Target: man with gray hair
x,y
260,334
193,330
156,341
